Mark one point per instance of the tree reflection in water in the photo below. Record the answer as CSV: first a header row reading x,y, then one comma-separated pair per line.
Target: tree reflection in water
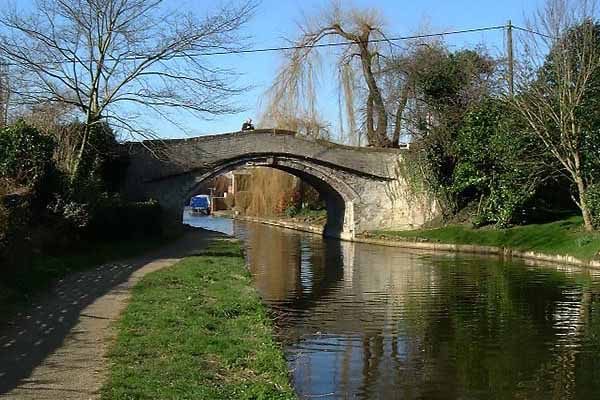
x,y
363,321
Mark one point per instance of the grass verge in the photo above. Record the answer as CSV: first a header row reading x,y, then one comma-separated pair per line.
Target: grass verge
x,y
565,237
198,330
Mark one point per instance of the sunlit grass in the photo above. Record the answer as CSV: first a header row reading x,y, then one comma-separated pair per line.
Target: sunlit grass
x,y
565,237
198,330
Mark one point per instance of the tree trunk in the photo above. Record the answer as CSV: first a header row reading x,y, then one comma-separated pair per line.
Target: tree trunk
x,y
376,102
399,112
585,211
371,137
78,169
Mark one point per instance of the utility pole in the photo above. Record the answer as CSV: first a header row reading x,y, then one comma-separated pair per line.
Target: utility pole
x,y
509,46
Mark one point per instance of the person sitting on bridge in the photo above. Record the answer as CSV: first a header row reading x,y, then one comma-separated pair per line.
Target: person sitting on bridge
x,y
247,126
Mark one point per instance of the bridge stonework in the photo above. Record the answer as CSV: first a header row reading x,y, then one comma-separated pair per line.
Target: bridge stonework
x,y
363,188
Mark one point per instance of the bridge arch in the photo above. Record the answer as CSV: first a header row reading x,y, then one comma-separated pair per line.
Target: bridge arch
x,y
365,188
337,193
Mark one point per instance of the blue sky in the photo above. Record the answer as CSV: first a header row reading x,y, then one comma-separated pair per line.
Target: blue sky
x,y
276,19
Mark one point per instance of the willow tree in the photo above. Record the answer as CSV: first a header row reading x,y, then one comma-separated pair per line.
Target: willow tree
x,y
115,61
358,64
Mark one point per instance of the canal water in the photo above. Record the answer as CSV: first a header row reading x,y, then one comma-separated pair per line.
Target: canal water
x,y
368,322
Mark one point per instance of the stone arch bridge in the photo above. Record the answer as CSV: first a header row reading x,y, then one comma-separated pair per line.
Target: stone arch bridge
x,y
363,188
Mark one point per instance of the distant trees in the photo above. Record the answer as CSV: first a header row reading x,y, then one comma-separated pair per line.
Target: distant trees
x,y
306,125
107,58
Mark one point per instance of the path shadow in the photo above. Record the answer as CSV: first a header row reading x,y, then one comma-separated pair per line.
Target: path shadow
x,y
28,337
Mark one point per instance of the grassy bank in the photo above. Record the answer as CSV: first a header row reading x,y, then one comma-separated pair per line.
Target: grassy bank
x,y
197,330
42,269
564,237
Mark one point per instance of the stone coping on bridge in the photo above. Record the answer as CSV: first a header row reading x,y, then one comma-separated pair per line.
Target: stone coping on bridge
x,y
271,131
501,252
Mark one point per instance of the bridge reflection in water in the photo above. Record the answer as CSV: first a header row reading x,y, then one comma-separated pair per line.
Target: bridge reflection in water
x,y
367,322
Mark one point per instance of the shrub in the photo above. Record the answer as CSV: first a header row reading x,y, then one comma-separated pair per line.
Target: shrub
x,y
498,164
73,215
25,154
291,211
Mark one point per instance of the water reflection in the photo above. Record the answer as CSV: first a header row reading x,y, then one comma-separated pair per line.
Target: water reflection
x,y
218,224
368,322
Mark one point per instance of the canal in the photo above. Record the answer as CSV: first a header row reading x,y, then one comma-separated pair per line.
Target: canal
x,y
368,322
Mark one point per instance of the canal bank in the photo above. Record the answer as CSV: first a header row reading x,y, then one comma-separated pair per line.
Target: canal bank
x,y
198,329
426,244
58,347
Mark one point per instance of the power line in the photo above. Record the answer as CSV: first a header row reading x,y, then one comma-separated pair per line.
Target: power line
x,y
311,46
534,32
383,40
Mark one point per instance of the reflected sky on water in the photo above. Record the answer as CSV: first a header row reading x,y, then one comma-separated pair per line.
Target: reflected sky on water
x,y
368,322
223,225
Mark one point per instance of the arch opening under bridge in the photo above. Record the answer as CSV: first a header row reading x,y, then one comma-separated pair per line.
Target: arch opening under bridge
x,y
338,195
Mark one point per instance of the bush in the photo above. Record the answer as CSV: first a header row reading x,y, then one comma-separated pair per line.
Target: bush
x,y
25,154
291,211
592,199
498,165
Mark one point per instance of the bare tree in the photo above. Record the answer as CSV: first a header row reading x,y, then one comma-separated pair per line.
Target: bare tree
x,y
4,93
555,82
294,85
108,58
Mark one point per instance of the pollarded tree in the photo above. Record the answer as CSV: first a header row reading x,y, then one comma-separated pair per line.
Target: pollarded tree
x,y
109,58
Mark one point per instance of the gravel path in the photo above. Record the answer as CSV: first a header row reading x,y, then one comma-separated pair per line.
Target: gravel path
x,y
57,349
